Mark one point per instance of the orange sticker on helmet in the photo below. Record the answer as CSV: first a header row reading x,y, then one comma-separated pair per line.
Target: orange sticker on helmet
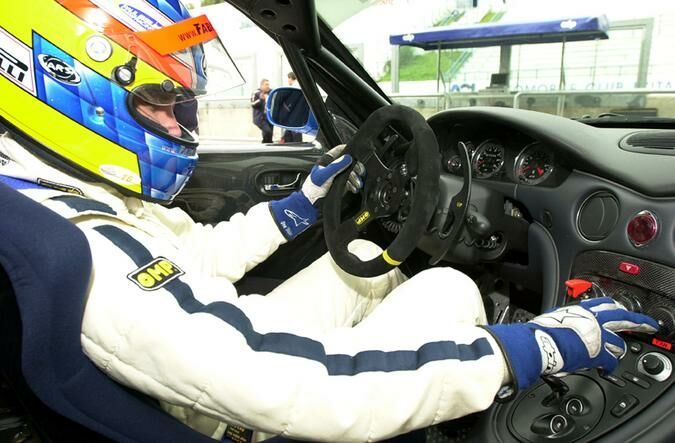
x,y
119,33
179,36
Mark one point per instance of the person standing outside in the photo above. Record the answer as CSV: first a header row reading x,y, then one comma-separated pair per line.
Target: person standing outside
x,y
258,100
290,136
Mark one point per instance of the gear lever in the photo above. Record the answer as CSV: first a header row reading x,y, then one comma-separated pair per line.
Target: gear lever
x,y
558,390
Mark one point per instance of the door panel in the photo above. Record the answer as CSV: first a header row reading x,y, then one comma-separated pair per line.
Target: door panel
x,y
228,180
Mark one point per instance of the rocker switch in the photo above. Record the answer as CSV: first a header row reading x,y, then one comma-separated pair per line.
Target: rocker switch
x,y
625,404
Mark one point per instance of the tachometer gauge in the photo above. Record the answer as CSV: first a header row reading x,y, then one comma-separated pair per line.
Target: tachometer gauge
x,y
534,164
488,159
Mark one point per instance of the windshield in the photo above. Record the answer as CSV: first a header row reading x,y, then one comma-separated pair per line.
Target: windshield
x,y
574,58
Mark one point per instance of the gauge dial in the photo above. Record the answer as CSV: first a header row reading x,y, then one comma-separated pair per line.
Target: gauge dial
x,y
534,164
488,159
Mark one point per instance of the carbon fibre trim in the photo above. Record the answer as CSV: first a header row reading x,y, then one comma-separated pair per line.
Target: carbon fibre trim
x,y
651,291
653,276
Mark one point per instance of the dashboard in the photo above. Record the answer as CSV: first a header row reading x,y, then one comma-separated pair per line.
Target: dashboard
x,y
586,196
564,176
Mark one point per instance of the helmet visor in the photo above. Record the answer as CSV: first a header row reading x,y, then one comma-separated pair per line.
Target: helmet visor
x,y
176,121
177,63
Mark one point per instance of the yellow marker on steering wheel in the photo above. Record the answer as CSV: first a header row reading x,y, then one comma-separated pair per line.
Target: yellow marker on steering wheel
x,y
388,259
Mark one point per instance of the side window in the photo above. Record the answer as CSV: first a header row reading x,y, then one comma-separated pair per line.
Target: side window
x,y
237,117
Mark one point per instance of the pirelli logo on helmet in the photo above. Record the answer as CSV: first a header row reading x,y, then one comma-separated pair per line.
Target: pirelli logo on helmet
x,y
155,274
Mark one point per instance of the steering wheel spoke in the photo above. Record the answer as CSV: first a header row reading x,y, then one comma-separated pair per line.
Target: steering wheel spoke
x,y
363,218
375,167
347,232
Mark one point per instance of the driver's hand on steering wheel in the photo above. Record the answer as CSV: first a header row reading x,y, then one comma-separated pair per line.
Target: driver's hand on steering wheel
x,y
356,176
297,212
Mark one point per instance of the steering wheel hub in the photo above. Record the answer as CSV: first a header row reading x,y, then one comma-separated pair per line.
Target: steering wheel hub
x,y
388,195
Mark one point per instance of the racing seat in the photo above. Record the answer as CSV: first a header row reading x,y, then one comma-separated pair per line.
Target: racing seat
x,y
45,263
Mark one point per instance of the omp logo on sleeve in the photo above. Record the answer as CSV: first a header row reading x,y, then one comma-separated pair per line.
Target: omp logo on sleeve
x,y
155,274
16,62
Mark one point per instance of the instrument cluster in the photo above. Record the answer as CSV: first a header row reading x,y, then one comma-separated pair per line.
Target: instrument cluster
x,y
527,162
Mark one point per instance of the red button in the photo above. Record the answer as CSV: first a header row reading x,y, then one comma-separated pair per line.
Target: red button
x,y
642,228
577,287
662,344
629,268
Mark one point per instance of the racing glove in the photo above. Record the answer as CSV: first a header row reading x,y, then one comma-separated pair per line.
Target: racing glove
x,y
297,212
569,338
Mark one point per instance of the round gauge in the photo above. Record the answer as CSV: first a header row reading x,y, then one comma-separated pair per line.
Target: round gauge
x,y
534,164
488,159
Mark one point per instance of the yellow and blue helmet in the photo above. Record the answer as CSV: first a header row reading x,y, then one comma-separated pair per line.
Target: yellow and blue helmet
x,y
111,86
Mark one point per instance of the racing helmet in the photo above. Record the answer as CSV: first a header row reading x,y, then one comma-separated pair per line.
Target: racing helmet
x,y
110,87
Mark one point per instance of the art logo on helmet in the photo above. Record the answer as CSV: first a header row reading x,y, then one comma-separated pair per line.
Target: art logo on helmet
x,y
59,70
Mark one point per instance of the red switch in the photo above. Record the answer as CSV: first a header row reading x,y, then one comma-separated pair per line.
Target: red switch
x,y
662,344
629,268
577,287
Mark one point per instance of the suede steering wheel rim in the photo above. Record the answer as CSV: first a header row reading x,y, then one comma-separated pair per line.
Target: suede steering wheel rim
x,y
384,191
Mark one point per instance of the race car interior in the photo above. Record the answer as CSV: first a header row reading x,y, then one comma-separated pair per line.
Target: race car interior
x,y
540,210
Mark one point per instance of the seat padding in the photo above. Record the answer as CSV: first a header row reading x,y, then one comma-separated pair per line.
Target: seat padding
x,y
48,262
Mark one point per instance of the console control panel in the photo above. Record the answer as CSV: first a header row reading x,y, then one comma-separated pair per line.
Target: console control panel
x,y
639,285
591,402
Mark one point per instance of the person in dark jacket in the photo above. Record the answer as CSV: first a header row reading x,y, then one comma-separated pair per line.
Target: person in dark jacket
x,y
258,100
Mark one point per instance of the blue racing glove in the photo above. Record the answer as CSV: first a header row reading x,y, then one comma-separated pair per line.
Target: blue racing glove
x,y
298,211
569,338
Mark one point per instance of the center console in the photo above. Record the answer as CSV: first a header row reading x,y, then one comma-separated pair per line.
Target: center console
x,y
588,404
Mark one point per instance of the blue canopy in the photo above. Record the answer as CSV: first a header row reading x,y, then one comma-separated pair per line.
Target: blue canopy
x,y
498,34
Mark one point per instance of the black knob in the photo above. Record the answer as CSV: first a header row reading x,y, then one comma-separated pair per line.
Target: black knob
x,y
558,424
652,364
575,407
478,224
550,425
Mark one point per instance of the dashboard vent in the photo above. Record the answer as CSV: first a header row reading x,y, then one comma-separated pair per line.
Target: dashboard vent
x,y
650,142
598,216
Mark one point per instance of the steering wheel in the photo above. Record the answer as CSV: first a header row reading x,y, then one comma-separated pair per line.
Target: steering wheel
x,y
384,190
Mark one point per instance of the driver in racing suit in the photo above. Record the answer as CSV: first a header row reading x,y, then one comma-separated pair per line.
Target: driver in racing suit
x,y
324,356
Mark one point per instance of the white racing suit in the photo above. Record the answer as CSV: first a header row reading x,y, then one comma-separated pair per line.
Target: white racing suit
x,y
325,356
